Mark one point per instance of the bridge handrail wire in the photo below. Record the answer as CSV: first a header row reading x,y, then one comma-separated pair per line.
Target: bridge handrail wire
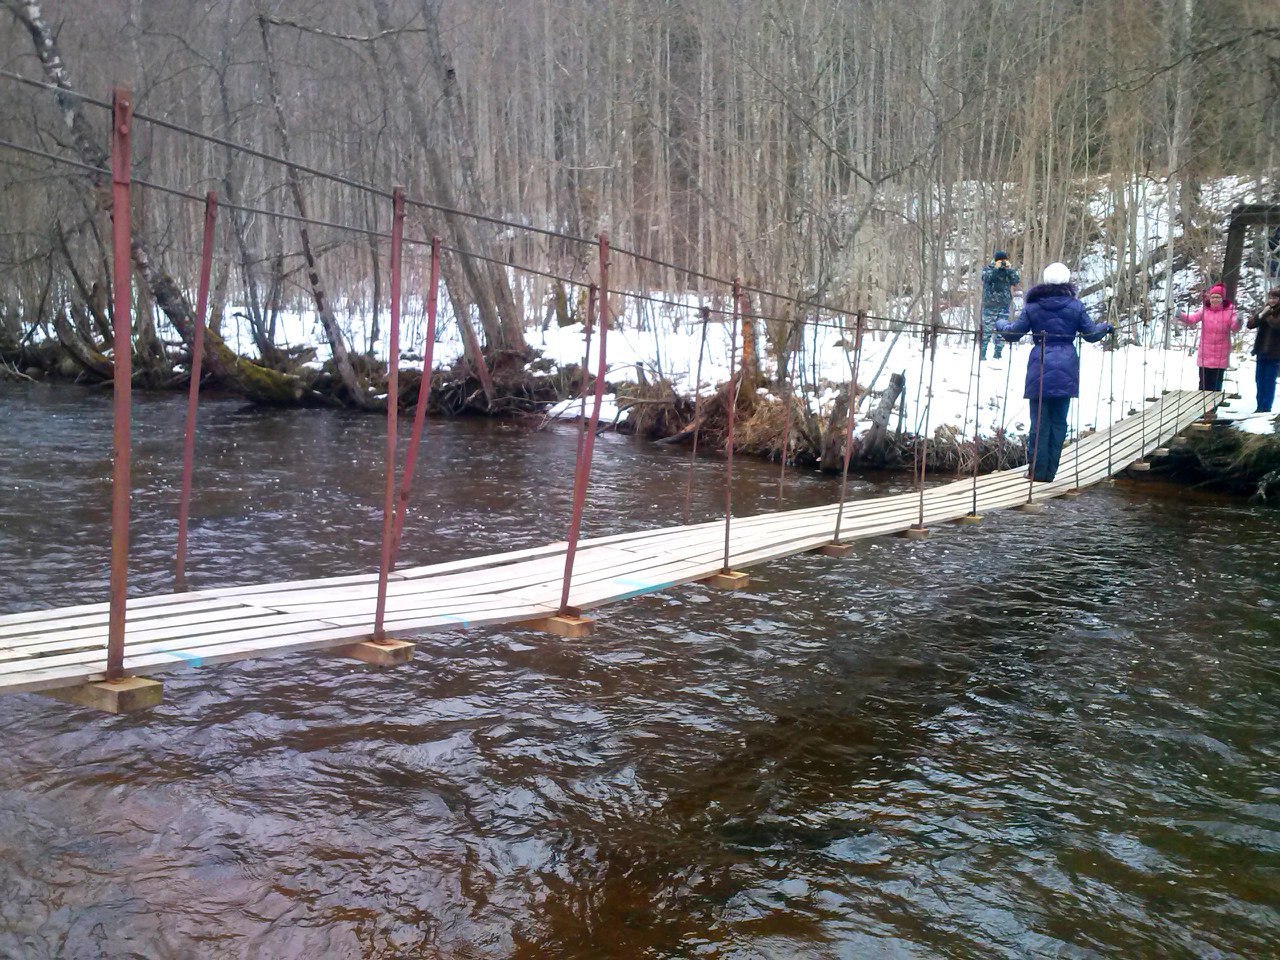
x,y
441,208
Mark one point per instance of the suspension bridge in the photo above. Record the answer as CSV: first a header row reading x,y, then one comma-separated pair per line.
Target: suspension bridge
x,y
104,655
64,651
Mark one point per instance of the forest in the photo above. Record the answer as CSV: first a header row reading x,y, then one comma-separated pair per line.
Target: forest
x,y
838,157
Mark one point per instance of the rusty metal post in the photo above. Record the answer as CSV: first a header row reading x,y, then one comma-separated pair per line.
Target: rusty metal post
x,y
193,394
704,314
393,405
424,394
977,415
932,338
732,400
788,400
586,377
849,421
582,472
122,360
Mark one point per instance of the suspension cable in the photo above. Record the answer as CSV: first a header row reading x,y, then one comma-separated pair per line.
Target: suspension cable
x,y
977,415
922,437
1111,404
409,201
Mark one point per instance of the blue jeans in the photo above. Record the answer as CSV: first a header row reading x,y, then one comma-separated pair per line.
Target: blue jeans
x,y
1048,434
989,317
1268,370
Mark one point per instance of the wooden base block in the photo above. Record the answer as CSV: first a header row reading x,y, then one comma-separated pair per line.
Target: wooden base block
x,y
1179,443
1031,507
1072,494
732,580
1140,466
836,549
969,520
125,695
1199,427
915,533
1160,452
378,653
565,625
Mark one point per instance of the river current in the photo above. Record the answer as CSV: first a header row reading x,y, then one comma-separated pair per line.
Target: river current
x,y
1050,736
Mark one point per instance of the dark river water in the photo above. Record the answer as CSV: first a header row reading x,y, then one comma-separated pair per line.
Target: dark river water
x,y
1051,736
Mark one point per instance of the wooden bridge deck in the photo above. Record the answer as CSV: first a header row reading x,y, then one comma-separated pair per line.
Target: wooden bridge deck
x,y
51,649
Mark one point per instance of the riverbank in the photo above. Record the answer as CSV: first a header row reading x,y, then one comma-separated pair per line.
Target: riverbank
x,y
905,394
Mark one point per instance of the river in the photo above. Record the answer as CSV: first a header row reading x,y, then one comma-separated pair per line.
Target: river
x,y
1051,736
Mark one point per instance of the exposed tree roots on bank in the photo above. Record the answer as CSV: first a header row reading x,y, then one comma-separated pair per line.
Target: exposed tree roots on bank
x,y
1229,460
521,384
655,412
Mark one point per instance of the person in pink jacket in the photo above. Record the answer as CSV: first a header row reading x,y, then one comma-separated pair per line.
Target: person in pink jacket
x,y
1217,320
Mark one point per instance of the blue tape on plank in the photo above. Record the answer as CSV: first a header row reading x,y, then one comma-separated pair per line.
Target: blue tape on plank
x,y
190,658
643,585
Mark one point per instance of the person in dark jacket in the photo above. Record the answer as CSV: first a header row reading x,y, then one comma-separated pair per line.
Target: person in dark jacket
x,y
1266,348
998,280
1054,318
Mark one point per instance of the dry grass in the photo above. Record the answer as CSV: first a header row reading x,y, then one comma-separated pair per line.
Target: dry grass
x,y
760,432
654,409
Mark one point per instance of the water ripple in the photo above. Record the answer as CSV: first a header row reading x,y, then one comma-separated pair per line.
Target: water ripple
x,y
1046,737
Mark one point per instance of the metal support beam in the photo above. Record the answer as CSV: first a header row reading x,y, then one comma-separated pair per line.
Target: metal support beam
x,y
393,407
122,360
732,402
424,395
582,472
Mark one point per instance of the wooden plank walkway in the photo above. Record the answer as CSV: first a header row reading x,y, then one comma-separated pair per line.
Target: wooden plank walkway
x,y
51,649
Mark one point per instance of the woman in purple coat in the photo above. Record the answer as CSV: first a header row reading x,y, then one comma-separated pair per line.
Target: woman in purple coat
x,y
1054,318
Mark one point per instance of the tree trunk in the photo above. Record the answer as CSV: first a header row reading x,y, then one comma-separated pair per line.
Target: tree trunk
x,y
880,417
253,381
488,285
337,342
833,435
750,366
85,355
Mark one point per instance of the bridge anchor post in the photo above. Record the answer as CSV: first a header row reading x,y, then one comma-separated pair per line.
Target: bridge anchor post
x,y
915,532
728,580
126,695
378,653
569,623
835,549
968,520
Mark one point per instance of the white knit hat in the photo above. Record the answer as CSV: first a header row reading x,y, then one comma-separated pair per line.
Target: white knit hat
x,y
1057,273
